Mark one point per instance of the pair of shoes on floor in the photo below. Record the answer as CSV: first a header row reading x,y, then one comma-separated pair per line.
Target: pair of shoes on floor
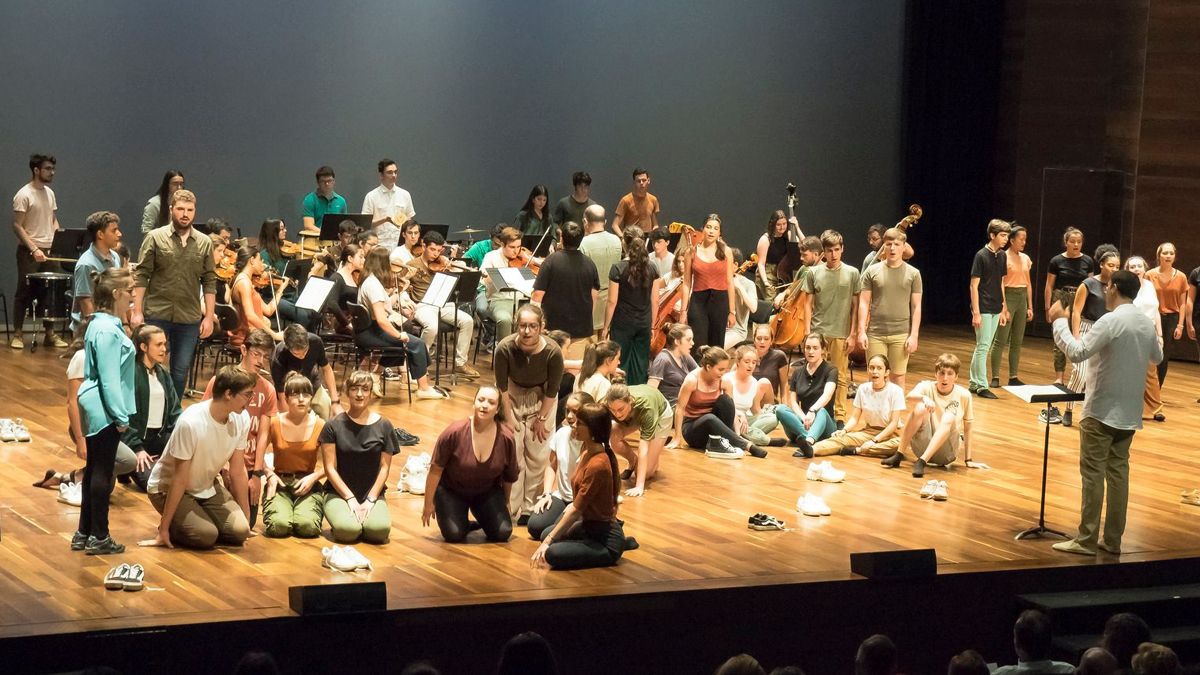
x,y
466,371
14,431
125,577
94,546
405,438
1055,416
344,559
824,472
935,490
812,505
720,448
414,474
1190,497
70,493
764,522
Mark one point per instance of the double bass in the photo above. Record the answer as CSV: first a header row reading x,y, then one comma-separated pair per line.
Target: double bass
x,y
858,355
665,313
790,264
789,324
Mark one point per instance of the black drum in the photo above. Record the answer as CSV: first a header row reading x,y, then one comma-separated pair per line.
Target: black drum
x,y
50,290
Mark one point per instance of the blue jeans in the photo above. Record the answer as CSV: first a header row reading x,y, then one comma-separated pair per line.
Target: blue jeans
x,y
822,426
984,335
182,339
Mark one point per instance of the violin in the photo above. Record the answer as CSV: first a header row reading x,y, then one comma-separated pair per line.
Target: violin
x,y
526,259
858,355
226,267
289,249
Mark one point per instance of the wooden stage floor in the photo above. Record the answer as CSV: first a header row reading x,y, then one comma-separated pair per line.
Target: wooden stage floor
x,y
691,523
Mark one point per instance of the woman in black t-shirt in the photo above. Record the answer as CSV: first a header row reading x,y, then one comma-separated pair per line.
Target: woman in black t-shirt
x,y
356,450
808,415
630,313
1066,271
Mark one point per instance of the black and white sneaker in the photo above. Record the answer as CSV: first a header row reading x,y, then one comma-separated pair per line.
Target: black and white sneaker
x,y
1055,416
115,579
405,438
719,448
763,522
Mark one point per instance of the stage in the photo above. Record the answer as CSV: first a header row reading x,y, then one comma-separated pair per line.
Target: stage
x,y
691,523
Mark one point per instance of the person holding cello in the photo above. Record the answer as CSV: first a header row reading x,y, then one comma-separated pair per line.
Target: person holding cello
x,y
772,247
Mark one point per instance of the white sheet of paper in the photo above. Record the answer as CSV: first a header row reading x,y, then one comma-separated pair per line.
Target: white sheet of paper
x,y
440,288
519,278
1026,392
314,294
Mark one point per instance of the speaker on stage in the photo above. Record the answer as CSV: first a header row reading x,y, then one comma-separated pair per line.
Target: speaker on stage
x,y
910,564
337,598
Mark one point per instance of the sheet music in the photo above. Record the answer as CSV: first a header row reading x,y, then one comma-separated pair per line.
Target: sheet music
x,y
519,278
314,294
440,289
1026,392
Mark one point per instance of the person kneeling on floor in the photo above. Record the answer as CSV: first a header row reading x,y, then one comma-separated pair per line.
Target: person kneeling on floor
x,y
185,485
940,423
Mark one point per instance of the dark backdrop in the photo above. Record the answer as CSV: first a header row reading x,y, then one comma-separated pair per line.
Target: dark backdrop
x,y
724,102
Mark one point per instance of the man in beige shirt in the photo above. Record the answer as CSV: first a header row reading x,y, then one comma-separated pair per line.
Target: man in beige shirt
x,y
35,220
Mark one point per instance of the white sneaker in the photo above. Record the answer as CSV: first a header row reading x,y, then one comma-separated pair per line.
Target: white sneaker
x,y
414,474
812,505
70,493
360,561
824,472
115,579
928,489
335,558
20,431
940,493
7,433
431,394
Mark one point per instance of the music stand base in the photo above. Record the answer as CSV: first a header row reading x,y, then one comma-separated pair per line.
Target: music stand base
x,y
1038,533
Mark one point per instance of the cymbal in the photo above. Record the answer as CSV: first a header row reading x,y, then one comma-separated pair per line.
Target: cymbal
x,y
469,230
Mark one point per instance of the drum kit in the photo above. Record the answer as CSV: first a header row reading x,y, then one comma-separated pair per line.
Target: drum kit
x,y
49,299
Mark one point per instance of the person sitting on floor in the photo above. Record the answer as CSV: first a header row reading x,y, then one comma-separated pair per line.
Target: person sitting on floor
x,y
474,467
600,362
589,534
1031,640
706,411
185,485
158,406
643,409
808,416
356,451
940,422
873,424
293,502
674,362
755,418
564,457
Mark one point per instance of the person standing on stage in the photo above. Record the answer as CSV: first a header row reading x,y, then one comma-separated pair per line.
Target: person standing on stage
x,y
988,306
832,291
1019,302
889,306
175,263
576,289
1192,312
1119,346
104,228
1172,287
157,211
428,316
107,403
185,486
772,247
1089,305
1064,274
604,249
629,312
875,252
321,201
571,208
534,216
707,282
1147,302
529,369
388,205
639,207
35,220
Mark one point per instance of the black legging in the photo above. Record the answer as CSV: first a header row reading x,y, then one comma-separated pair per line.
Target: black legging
x,y
490,510
98,481
1169,322
708,315
587,544
540,524
418,355
719,422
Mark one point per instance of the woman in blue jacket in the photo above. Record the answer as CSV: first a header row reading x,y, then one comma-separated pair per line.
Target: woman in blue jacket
x,y
106,402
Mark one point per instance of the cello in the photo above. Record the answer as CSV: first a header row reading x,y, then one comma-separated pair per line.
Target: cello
x,y
665,312
858,355
790,263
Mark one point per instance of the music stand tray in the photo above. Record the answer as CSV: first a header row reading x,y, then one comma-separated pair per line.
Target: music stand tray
x,y
1048,394
69,244
331,222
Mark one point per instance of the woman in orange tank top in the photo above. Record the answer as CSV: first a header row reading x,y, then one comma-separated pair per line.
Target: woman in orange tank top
x,y
705,414
707,278
294,500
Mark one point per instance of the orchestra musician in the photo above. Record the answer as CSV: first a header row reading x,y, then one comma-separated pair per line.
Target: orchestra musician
x,y
424,266
503,305
274,247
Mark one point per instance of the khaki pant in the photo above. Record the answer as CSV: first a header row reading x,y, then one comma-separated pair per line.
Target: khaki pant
x,y
840,358
532,455
203,523
834,444
1103,462
1152,398
891,346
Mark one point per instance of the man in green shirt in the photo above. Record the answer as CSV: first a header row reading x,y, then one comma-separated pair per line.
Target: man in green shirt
x,y
174,265
644,409
831,291
322,200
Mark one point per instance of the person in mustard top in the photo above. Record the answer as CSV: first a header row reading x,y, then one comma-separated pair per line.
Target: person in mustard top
x,y
294,504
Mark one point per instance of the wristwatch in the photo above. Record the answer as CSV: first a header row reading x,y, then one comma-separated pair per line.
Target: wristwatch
x,y
258,473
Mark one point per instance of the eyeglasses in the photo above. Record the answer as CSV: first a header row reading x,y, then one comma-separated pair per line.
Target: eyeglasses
x,y
528,327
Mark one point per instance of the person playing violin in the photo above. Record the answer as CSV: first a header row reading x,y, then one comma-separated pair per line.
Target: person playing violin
x,y
251,308
503,305
273,248
430,262
410,243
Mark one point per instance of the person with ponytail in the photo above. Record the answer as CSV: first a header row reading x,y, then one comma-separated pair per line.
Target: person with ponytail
x,y
271,237
252,310
157,211
643,409
600,362
707,414
674,362
589,534
634,284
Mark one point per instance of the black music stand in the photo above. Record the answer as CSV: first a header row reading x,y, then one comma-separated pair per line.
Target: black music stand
x,y
331,224
68,245
1049,395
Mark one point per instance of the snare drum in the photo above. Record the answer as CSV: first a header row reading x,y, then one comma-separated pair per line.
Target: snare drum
x,y
50,291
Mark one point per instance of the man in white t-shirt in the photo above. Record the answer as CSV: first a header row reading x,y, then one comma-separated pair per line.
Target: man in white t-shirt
x,y
35,220
940,423
873,427
389,206
185,486
604,248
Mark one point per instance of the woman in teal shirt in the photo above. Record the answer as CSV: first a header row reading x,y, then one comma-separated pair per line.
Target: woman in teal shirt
x,y
106,402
